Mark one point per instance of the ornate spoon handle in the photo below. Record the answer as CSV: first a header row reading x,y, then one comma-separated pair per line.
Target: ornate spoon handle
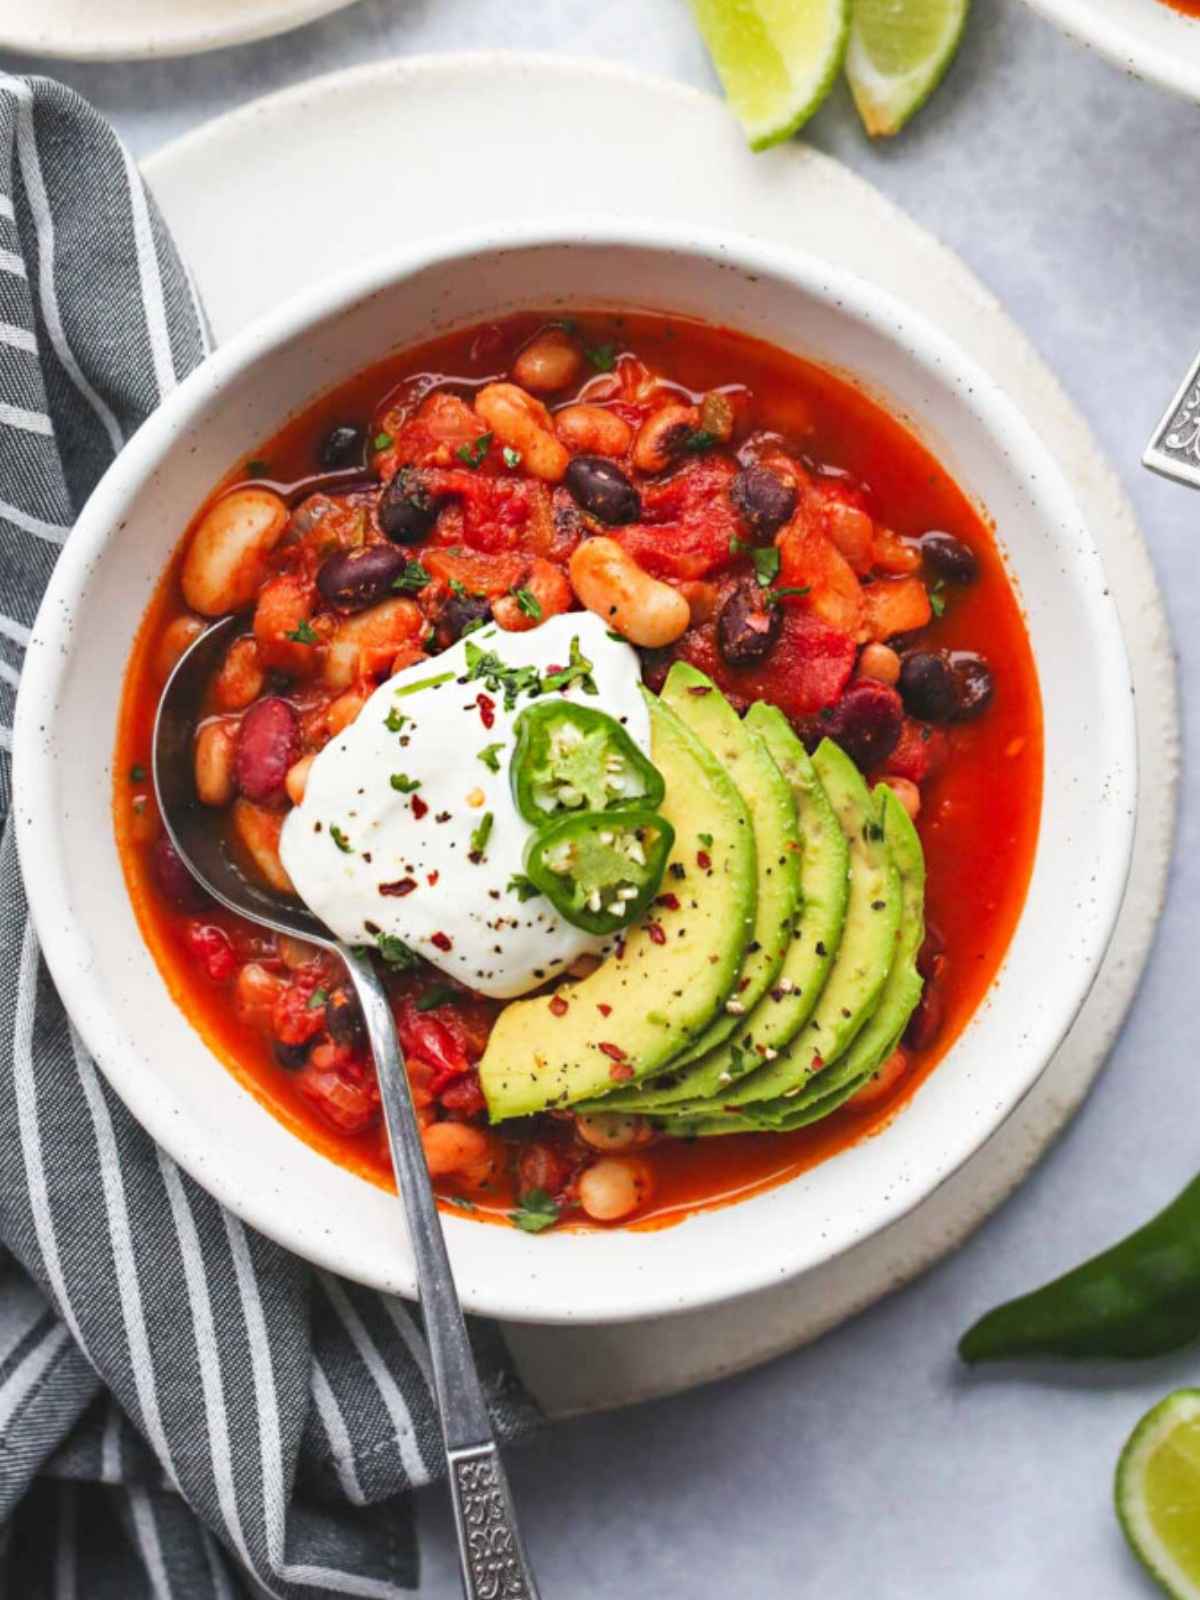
x,y
492,1556
1174,448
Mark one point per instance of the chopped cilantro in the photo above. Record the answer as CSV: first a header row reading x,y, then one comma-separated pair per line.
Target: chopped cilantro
x,y
706,839
528,602
499,677
617,638
512,458
490,757
602,356
137,774
480,836
774,596
937,600
472,455
537,1212
395,952
304,634
578,671
394,720
440,995
382,441
340,839
698,441
424,683
736,546
524,888
403,784
458,587
317,999
413,577
766,565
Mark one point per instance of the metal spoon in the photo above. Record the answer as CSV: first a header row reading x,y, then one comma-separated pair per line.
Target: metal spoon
x,y
1174,448
491,1553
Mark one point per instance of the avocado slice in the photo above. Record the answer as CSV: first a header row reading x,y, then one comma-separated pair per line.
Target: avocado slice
x,y
671,974
816,936
880,1036
864,959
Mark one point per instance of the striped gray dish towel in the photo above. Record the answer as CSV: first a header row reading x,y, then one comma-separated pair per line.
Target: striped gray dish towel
x,y
185,1409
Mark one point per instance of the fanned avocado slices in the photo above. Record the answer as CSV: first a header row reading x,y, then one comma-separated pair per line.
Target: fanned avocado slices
x,y
881,1034
670,976
816,935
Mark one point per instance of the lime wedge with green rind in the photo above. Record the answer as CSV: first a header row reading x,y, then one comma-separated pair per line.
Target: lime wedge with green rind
x,y
898,53
1158,1493
777,59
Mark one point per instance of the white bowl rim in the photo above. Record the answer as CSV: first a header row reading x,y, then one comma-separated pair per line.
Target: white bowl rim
x,y
1133,48
99,522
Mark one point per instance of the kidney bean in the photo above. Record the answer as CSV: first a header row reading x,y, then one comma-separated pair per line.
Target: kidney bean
x,y
764,500
975,682
926,1021
866,722
407,510
342,447
948,558
602,488
356,579
747,626
343,1017
927,686
173,878
268,743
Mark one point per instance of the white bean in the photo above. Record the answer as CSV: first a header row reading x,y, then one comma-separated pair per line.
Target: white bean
x,y
609,582
523,423
550,361
227,559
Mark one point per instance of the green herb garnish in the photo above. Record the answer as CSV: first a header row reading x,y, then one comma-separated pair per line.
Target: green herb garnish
x,y
382,441
937,600
489,755
529,603
304,634
424,683
766,565
394,720
396,953
536,1213
602,356
706,839
774,596
413,577
512,458
480,837
137,774
317,999
578,670
472,455
499,677
524,888
698,441
440,995
403,784
340,839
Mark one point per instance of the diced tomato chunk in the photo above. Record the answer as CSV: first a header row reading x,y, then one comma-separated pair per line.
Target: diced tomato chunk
x,y
919,752
351,1103
478,572
438,1040
212,948
299,1013
806,669
810,561
688,523
464,1097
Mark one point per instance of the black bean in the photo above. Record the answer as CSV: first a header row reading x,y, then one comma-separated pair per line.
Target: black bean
x,y
459,613
352,580
407,510
974,682
948,558
747,626
764,500
343,1017
291,1056
866,722
602,488
927,686
173,878
342,447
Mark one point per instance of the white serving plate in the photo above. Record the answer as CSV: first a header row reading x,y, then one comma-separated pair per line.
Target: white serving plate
x,y
126,30
64,730
1145,37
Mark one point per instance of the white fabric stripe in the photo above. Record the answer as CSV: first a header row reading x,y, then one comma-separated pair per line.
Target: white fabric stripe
x,y
26,1377
414,1340
338,1435
216,1566
29,1130
9,674
65,1587
12,263
52,532
27,421
16,631
270,1441
5,738
121,1236
153,301
389,1390
17,338
207,1354
6,208
43,221
21,1314
149,1543
110,1447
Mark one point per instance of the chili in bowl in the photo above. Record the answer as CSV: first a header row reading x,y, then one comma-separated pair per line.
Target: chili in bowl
x,y
656,701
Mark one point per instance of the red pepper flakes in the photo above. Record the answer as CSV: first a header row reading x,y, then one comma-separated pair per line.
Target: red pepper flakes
x,y
442,941
656,932
703,860
700,688
613,1051
419,808
400,888
605,1011
487,710
817,1064
670,901
619,949
558,1006
620,1072
433,878
745,984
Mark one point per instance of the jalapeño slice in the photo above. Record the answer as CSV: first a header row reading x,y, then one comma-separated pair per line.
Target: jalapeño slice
x,y
601,869
570,759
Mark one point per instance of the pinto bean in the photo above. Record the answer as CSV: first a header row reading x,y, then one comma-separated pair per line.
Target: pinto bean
x,y
610,583
662,437
355,579
241,676
763,499
747,626
268,744
550,361
226,560
603,490
214,762
593,431
523,423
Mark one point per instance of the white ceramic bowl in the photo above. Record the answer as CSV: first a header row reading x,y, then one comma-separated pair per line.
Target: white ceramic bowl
x,y
66,721
1145,37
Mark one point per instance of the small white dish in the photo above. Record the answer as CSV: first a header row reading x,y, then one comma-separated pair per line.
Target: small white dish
x,y
66,722
1146,37
130,30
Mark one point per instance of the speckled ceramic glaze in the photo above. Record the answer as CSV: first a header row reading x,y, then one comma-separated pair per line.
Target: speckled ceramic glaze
x,y
1145,37
127,30
71,685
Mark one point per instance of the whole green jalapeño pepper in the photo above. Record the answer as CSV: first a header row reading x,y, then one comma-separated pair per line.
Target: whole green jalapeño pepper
x,y
1139,1299
601,869
571,758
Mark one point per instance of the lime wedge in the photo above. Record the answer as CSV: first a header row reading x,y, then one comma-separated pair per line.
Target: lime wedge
x,y
899,51
1158,1493
777,59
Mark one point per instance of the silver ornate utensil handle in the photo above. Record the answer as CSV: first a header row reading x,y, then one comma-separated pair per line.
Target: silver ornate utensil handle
x,y
1174,448
491,1553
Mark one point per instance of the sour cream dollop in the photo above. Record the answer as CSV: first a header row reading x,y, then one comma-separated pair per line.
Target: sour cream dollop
x,y
387,839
